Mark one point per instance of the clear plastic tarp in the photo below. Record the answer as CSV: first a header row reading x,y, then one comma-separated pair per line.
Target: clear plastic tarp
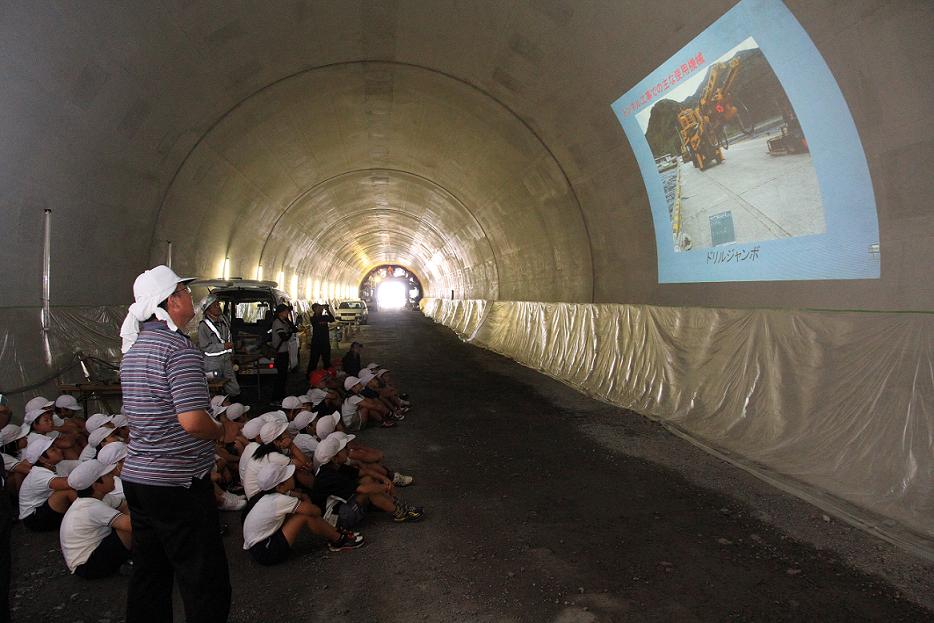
x,y
835,407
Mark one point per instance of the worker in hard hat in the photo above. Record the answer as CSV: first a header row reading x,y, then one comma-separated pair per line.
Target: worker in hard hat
x,y
215,340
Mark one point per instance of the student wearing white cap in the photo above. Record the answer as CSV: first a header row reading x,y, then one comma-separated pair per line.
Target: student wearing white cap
x,y
167,472
39,422
65,409
358,411
275,447
95,537
43,497
13,440
279,514
113,454
357,486
215,339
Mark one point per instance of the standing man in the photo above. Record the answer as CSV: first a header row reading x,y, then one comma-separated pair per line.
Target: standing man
x,y
320,344
282,331
166,474
215,340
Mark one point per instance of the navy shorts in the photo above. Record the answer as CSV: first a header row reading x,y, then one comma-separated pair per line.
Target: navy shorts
x,y
43,519
272,550
106,558
349,514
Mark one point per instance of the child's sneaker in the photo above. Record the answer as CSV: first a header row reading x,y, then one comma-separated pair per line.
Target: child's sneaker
x,y
347,540
232,502
401,480
404,513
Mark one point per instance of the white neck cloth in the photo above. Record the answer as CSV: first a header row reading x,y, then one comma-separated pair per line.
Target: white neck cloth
x,y
140,311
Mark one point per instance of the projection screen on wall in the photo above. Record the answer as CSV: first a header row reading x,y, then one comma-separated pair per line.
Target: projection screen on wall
x,y
750,157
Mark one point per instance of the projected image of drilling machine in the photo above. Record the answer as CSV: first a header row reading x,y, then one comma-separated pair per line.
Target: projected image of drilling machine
x,y
702,128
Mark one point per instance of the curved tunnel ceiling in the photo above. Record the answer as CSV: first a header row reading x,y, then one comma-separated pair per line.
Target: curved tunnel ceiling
x,y
334,170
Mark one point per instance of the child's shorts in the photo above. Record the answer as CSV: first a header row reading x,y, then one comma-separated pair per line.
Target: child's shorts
x,y
272,550
43,519
349,514
106,558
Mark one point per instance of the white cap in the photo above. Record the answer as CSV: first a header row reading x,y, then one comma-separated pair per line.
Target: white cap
x,y
236,411
316,395
326,424
380,372
354,399
67,401
37,445
272,475
271,431
12,432
97,420
329,448
33,415
372,366
275,416
301,421
251,429
350,381
291,402
217,410
157,282
217,401
98,435
305,443
366,376
209,300
120,420
39,402
87,473
343,437
112,453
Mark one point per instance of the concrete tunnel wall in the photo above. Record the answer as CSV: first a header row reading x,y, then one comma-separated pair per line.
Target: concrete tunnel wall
x,y
472,142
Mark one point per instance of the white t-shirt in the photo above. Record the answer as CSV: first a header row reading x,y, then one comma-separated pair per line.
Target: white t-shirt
x,y
116,497
87,523
35,490
9,462
57,421
245,457
87,453
266,517
306,443
65,467
349,412
250,486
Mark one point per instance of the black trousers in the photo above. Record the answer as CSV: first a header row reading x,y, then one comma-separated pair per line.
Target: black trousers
x,y
282,375
6,524
319,350
176,536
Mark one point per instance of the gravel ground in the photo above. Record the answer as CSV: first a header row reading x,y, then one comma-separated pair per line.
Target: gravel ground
x,y
542,505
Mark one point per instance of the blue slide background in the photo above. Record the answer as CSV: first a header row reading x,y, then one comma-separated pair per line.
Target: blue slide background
x,y
836,153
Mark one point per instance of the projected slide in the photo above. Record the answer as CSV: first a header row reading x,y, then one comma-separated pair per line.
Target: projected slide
x,y
750,157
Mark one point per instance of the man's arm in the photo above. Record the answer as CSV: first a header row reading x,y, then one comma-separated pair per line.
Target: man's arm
x,y
201,425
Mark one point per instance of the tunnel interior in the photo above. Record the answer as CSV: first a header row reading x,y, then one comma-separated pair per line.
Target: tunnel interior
x,y
475,145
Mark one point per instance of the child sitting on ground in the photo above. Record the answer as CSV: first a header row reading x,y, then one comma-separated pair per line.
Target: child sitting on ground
x,y
44,498
95,537
353,489
13,440
279,514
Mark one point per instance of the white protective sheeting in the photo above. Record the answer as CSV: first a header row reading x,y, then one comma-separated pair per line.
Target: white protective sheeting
x,y
835,407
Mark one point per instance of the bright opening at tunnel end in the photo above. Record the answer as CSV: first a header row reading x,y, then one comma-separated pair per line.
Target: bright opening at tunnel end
x,y
391,295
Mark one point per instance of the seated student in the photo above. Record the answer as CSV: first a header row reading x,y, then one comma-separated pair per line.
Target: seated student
x,y
122,425
96,421
387,391
279,514
65,410
39,422
100,438
43,497
358,487
351,364
94,536
371,391
301,437
13,440
250,432
359,453
114,454
291,405
358,411
275,447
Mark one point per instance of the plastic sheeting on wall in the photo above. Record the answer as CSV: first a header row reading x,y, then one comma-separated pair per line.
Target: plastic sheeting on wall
x,y
835,407
29,355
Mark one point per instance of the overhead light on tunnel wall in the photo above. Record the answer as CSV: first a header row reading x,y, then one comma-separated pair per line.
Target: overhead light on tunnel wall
x,y
293,286
259,272
280,279
226,271
308,288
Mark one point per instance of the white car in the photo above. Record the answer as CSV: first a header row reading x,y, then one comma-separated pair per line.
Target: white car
x,y
348,311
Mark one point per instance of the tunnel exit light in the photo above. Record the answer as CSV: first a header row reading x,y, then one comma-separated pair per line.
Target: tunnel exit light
x,y
391,295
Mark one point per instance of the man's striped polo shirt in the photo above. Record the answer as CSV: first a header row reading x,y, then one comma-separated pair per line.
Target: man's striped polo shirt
x,y
161,376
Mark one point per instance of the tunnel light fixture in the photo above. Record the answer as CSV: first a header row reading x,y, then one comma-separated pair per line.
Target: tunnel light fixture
x,y
259,272
308,288
168,253
46,274
226,269
280,279
293,286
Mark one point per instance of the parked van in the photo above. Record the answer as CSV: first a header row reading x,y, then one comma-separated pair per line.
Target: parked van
x,y
350,310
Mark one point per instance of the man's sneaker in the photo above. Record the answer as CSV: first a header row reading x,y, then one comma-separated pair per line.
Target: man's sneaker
x,y
404,513
347,540
405,403
232,502
401,480
398,416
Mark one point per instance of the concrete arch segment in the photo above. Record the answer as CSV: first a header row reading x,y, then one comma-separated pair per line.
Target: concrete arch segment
x,y
500,217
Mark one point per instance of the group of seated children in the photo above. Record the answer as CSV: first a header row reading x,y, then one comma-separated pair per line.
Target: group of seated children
x,y
288,471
